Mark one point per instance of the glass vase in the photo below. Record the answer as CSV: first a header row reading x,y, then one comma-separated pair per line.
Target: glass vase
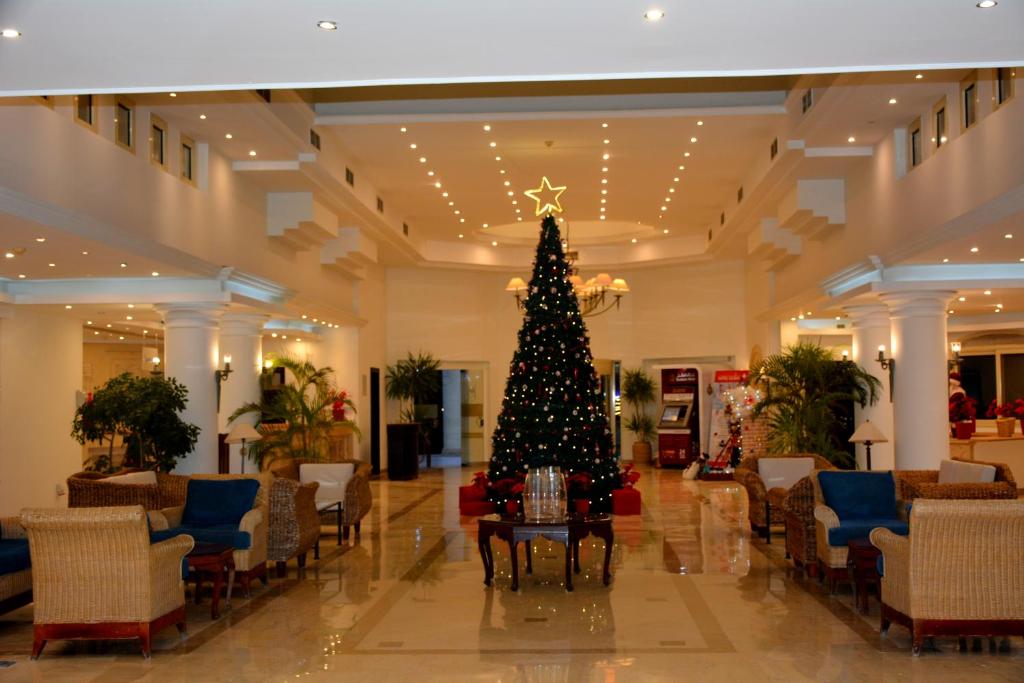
x,y
544,495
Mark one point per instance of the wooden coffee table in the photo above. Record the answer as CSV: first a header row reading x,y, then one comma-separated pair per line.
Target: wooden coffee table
x,y
214,559
862,564
569,531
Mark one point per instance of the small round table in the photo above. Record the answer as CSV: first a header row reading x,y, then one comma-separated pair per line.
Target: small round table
x,y
214,559
568,531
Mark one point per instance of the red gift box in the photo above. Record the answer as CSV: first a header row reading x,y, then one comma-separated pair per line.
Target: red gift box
x,y
626,501
471,494
477,508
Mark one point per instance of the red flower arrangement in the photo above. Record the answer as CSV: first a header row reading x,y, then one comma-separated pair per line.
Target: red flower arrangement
x,y
338,407
962,408
1013,410
628,476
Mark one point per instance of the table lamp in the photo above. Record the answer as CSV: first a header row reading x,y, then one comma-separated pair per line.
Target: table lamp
x,y
868,434
240,433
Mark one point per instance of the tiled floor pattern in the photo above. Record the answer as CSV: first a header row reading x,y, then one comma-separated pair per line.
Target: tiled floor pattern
x,y
694,598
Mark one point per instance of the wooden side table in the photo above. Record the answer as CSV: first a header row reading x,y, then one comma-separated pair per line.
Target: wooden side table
x,y
862,564
569,532
215,560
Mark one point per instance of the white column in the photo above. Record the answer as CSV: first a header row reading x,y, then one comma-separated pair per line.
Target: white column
x,y
241,336
870,324
920,391
191,357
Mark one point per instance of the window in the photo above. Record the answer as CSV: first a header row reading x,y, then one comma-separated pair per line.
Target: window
x,y
774,150
1004,84
978,377
124,123
806,101
939,134
350,177
380,205
914,153
969,101
85,110
158,141
188,160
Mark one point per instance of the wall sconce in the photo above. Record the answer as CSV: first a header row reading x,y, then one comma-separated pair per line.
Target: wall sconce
x,y
268,365
221,375
954,363
156,371
846,355
890,365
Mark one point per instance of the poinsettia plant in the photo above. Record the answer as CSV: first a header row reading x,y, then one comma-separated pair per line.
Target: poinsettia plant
x,y
628,476
1013,409
578,484
962,408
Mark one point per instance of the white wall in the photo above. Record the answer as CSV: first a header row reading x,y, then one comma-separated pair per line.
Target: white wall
x,y
672,312
40,373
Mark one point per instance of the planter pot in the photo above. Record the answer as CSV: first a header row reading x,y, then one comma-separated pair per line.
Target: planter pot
x,y
963,430
403,451
641,452
1005,425
581,505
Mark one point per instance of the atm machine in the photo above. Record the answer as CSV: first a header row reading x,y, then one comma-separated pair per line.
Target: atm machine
x,y
679,426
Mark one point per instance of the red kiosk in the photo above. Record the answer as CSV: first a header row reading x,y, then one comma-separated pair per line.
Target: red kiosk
x,y
679,427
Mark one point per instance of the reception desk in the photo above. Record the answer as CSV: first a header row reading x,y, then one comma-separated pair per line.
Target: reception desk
x,y
1008,450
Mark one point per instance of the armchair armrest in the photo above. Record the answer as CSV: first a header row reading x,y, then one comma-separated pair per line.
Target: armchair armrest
x,y
895,585
826,516
752,482
10,527
173,515
167,591
251,520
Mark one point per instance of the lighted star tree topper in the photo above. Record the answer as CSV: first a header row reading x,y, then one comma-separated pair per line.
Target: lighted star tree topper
x,y
553,412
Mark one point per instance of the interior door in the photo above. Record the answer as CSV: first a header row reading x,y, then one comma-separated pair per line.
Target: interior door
x,y
473,416
375,420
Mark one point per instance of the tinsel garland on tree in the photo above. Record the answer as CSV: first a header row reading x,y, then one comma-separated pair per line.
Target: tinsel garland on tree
x,y
553,411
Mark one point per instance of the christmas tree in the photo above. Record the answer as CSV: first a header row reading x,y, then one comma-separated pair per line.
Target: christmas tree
x,y
553,410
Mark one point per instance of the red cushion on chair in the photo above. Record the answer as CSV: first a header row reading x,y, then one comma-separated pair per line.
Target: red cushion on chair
x,y
626,501
477,508
471,493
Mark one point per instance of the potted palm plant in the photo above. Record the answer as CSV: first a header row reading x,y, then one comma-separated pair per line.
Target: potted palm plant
x,y
638,389
807,395
409,381
298,417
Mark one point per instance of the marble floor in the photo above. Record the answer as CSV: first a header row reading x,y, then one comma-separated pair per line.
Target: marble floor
x,y
694,597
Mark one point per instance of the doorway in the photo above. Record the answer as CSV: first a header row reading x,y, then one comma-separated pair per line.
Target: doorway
x,y
375,420
460,429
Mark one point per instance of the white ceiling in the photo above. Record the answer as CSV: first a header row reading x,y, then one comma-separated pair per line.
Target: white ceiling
x,y
70,46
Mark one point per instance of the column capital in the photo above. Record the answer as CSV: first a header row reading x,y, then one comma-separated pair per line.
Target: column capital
x,y
868,315
191,314
924,303
235,323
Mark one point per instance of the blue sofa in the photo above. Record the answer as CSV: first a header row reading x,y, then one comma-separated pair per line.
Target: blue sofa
x,y
15,565
848,505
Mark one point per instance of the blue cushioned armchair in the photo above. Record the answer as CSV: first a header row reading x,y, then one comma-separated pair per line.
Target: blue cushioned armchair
x,y
226,509
849,505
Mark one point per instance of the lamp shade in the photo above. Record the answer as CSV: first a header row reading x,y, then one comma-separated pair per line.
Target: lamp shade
x,y
868,432
243,431
516,284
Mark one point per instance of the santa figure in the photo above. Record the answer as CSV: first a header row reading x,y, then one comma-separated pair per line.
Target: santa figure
x,y
954,385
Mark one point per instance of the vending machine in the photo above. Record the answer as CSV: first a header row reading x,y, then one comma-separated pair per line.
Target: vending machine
x,y
679,426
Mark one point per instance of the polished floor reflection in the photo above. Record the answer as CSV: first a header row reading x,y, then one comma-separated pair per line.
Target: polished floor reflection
x,y
694,597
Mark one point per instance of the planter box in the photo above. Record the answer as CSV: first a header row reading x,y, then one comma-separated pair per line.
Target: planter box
x,y
477,508
403,451
626,501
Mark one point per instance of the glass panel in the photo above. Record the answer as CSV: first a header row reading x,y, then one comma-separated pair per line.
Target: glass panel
x,y
186,161
157,138
1013,376
978,377
472,395
1003,85
124,125
970,110
84,108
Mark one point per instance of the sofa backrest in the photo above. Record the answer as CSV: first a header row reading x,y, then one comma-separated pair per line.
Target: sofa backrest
x,y
143,477
783,472
858,495
961,472
333,478
218,501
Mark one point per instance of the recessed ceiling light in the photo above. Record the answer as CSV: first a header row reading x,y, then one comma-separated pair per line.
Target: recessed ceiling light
x,y
460,235
602,216
487,128
40,239
21,276
128,317
502,171
8,254
423,160
403,129
202,117
604,181
1008,236
988,292
493,144
665,231
494,244
120,338
892,100
52,265
671,189
945,260
10,33
430,173
507,183
606,156
412,145
124,265
173,94
986,4
327,25
962,299
252,152
607,141
693,139
633,240
974,250
131,305
437,184
604,191
675,180
664,208
604,169
485,225
851,139
444,194
228,136
155,274
85,253
686,154
68,306
109,325
919,76
604,125
654,15
950,311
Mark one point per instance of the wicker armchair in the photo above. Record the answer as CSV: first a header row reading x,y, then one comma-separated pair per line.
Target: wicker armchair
x,y
90,489
96,575
925,484
801,542
294,523
358,497
764,502
960,572
15,586
250,563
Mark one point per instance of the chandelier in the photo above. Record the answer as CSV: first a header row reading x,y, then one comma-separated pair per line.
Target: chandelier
x,y
596,295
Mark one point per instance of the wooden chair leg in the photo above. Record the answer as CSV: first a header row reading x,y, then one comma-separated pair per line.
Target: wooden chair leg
x,y
345,532
145,641
182,628
282,569
316,550
38,643
245,579
301,559
356,527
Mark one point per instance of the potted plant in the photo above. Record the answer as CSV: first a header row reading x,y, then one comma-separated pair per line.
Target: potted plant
x,y
806,400
638,389
578,488
409,381
297,418
146,413
1005,415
